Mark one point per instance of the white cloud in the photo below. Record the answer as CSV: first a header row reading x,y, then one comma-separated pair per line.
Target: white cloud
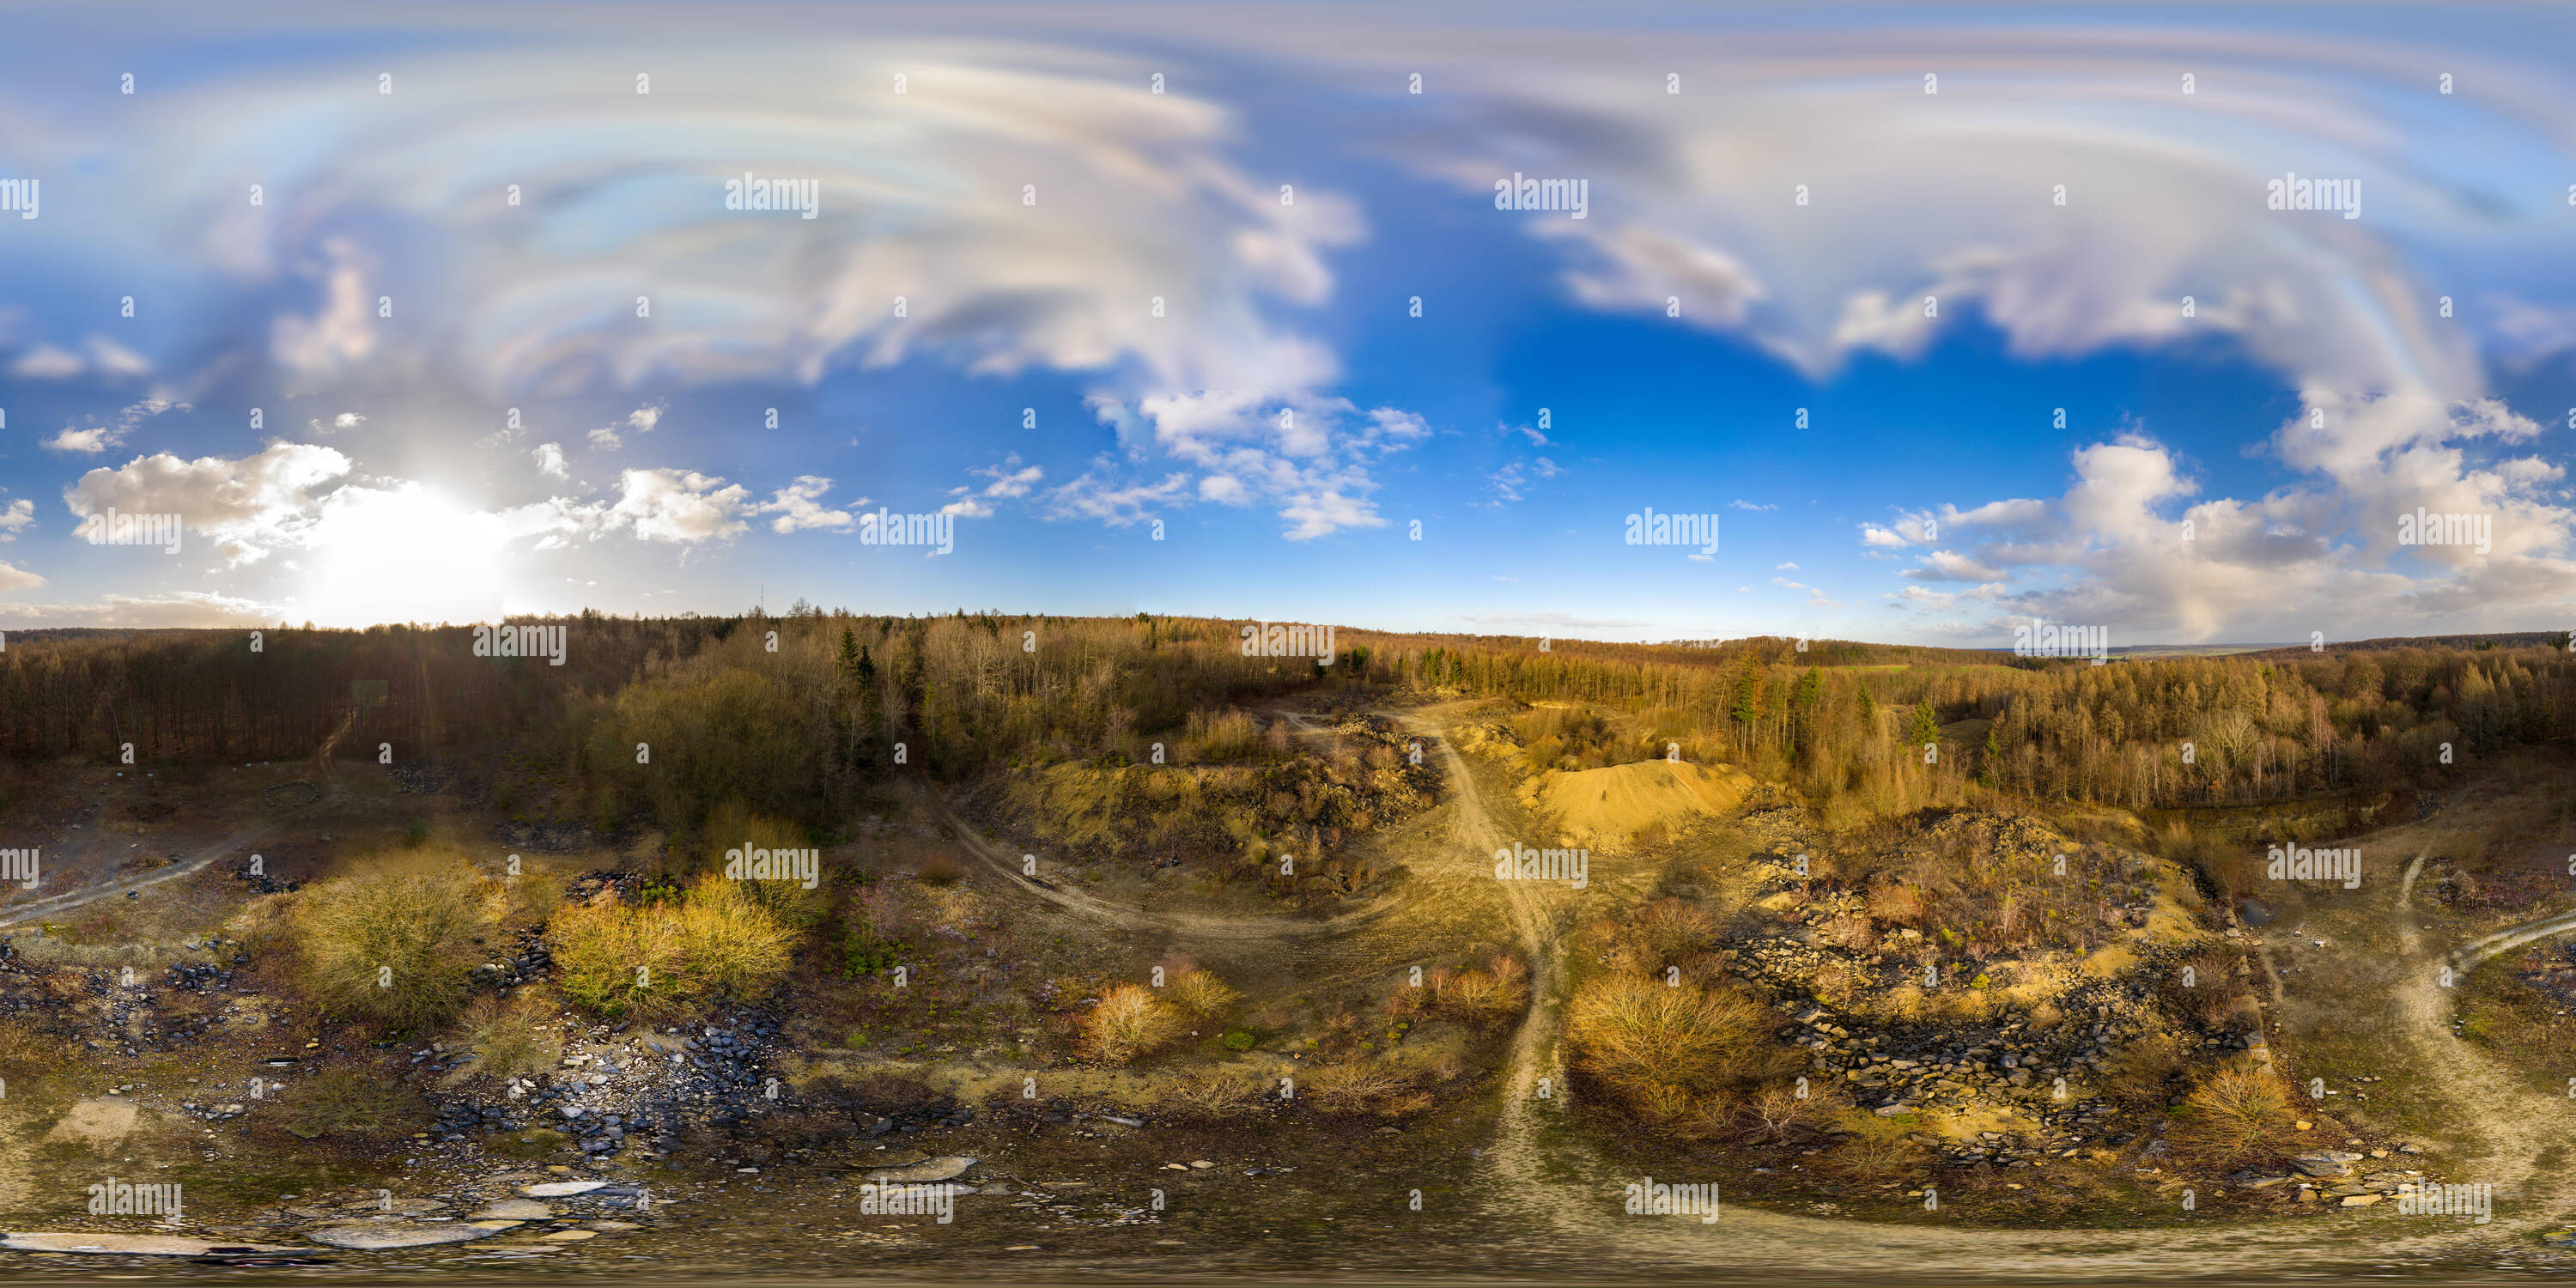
x,y
605,440
1748,505
2140,553
89,442
550,461
1786,567
100,356
678,506
184,608
14,579
1878,538
45,362
20,513
1096,495
342,333
799,506
1306,454
1946,565
94,439
248,507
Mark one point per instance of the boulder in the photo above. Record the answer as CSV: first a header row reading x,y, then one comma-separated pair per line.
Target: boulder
x,y
376,1235
147,1245
946,1168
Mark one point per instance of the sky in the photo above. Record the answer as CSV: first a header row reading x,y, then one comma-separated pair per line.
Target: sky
x,y
1949,320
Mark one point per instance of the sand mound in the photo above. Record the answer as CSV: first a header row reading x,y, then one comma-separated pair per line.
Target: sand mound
x,y
1609,805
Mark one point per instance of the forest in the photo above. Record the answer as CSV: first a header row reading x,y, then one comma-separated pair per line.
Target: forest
x,y
795,716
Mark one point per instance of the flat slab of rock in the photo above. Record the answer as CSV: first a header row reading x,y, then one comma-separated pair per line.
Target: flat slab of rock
x,y
397,1234
946,1168
149,1245
515,1210
560,1189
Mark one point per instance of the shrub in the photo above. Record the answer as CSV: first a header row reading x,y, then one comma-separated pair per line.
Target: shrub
x,y
1660,1048
940,869
1363,1087
2235,1116
352,1101
1128,1023
392,948
1779,1115
732,829
1877,1152
663,959
1207,1099
1485,998
1202,996
505,1040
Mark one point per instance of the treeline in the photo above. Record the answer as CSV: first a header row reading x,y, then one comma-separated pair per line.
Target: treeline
x,y
2159,732
667,718
670,718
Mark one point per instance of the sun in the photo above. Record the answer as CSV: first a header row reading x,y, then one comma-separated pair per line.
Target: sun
x,y
406,554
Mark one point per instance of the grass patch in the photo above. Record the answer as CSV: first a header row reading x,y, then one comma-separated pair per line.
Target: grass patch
x,y
395,949
353,1101
666,959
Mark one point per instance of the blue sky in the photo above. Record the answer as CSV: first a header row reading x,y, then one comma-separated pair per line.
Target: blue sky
x,y
2231,470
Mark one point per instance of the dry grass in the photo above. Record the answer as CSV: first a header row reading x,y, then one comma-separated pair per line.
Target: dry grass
x,y
1202,996
1363,1087
1660,934
353,1101
1664,1049
26,1053
506,1041
1876,1153
733,829
392,948
1778,1115
1127,1023
2236,1116
1211,1098
662,960
1484,998
2142,1076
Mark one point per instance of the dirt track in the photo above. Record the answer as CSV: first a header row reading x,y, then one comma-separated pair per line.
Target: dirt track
x,y
1539,1174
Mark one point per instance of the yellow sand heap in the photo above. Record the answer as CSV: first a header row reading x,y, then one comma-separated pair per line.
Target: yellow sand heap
x,y
1609,805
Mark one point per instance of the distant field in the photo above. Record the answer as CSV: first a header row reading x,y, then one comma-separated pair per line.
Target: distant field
x,y
2195,650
